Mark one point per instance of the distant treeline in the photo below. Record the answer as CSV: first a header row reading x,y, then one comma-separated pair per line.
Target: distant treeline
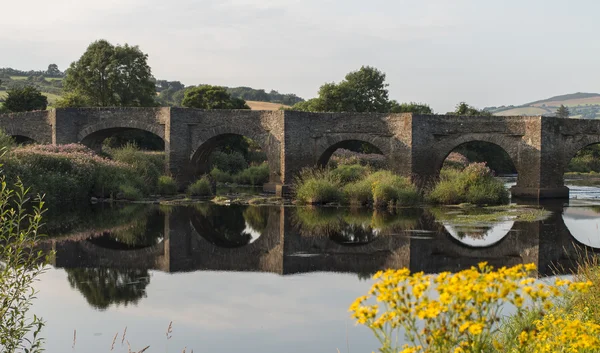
x,y
171,94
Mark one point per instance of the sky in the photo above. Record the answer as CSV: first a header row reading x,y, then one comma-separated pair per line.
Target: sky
x,y
440,52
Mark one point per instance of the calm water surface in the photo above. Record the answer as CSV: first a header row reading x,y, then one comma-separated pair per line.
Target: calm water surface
x,y
266,279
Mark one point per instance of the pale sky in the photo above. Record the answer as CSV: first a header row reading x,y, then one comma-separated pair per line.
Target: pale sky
x,y
440,52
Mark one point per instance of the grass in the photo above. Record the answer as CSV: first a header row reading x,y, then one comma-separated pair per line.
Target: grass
x,y
474,184
355,184
490,214
166,185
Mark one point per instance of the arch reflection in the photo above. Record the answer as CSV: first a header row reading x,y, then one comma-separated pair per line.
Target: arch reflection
x,y
584,224
479,235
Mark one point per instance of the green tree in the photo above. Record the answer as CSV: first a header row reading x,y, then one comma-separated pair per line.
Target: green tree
x,y
72,100
24,99
562,112
108,75
363,90
463,109
53,71
412,107
211,97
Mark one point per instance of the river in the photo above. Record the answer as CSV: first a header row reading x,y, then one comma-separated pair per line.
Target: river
x,y
266,279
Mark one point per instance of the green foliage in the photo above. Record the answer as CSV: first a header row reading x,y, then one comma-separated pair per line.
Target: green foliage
x,y
6,142
363,90
412,107
232,162
129,192
562,112
166,185
318,186
25,99
256,217
211,97
253,175
392,190
475,184
200,187
149,165
496,158
72,100
350,172
221,176
108,75
21,268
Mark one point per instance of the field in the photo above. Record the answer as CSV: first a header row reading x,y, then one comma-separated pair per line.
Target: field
x,y
254,105
523,111
51,97
571,102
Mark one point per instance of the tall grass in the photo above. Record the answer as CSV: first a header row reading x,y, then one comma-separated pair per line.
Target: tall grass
x,y
474,184
253,175
355,184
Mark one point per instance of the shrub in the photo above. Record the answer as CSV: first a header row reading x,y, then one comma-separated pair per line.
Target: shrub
x,y
221,176
228,162
317,186
359,192
130,193
474,184
392,190
200,187
149,165
350,172
166,185
254,175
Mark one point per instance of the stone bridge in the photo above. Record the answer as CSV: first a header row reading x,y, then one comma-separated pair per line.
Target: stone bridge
x,y
414,145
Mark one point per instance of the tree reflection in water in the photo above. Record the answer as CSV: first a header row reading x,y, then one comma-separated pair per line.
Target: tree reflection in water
x,y
140,233
230,226
103,287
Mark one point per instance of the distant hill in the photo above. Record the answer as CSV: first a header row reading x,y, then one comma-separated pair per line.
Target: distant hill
x,y
256,105
581,105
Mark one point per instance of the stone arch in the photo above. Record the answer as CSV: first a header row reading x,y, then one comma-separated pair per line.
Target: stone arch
x,y
208,140
328,144
146,257
575,147
509,145
94,134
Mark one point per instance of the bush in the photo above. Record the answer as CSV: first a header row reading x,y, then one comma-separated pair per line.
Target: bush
x,y
359,192
392,190
221,176
474,184
68,172
149,165
166,185
130,193
201,187
228,162
350,172
254,175
318,186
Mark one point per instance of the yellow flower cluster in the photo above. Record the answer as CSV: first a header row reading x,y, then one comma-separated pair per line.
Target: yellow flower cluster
x,y
449,312
561,332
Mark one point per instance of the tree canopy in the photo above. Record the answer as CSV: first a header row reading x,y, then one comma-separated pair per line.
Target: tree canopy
x,y
25,99
212,97
108,75
363,90
412,107
562,112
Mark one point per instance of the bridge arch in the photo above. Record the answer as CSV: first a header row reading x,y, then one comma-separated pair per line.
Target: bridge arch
x,y
206,142
93,135
23,140
510,146
327,145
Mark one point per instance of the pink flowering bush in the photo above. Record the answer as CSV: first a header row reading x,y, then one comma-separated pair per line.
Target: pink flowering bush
x,y
69,172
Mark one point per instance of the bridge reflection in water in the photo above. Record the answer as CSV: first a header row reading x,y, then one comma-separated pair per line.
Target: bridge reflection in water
x,y
285,241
